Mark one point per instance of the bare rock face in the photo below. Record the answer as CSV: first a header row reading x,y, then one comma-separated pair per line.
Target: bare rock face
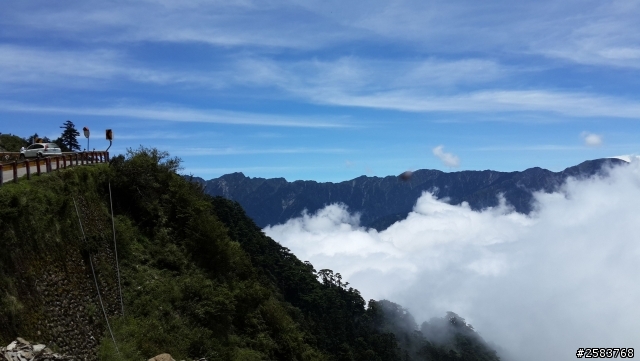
x,y
22,350
162,357
167,357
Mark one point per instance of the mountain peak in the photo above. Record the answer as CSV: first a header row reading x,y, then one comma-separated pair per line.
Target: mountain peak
x,y
382,201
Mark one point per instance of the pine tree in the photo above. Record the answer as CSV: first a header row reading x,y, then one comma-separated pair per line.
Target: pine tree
x,y
67,140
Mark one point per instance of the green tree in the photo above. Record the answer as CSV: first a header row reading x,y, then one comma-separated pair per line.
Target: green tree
x,y
67,140
35,138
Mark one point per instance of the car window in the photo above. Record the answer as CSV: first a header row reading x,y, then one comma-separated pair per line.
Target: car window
x,y
53,145
39,146
33,146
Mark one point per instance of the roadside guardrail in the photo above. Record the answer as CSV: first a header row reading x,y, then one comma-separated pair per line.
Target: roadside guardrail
x,y
12,171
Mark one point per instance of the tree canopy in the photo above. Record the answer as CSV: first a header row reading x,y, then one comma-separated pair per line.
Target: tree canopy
x,y
68,141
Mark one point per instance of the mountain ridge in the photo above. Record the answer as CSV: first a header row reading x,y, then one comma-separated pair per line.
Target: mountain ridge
x,y
381,201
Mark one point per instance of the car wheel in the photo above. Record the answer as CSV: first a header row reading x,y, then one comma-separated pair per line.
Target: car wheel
x,y
39,155
22,157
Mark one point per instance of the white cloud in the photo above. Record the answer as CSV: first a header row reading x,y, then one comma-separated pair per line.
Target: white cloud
x,y
431,85
262,24
586,32
627,157
448,159
566,103
188,151
180,114
540,286
98,68
428,85
607,35
591,140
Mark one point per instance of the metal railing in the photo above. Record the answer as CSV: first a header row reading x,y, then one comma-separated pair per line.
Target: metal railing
x,y
19,168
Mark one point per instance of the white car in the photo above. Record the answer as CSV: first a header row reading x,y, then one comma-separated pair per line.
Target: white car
x,y
40,150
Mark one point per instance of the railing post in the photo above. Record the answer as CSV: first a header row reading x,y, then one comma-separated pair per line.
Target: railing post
x,y
1,175
15,171
64,161
57,163
26,163
38,165
76,159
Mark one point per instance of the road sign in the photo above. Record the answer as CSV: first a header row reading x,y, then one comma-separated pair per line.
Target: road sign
x,y
86,134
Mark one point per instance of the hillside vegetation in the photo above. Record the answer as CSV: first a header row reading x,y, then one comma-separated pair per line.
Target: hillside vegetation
x,y
199,278
11,143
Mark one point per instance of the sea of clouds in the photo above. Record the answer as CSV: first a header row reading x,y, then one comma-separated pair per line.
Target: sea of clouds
x,y
537,286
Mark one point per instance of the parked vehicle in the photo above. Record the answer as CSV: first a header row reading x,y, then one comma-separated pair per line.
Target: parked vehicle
x,y
40,150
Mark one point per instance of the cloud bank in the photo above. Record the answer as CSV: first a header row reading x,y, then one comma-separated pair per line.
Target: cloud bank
x,y
540,286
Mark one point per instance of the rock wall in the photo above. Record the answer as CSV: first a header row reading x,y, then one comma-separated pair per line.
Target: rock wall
x,y
57,292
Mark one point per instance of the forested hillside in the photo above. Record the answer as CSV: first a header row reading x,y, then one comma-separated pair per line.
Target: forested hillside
x,y
199,278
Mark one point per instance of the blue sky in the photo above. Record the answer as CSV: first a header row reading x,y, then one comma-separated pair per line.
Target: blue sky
x,y
328,90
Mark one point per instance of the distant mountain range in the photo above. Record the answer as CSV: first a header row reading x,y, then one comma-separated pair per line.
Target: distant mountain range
x,y
383,201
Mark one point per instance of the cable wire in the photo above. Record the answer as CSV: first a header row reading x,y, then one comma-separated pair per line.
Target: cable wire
x,y
95,278
115,250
